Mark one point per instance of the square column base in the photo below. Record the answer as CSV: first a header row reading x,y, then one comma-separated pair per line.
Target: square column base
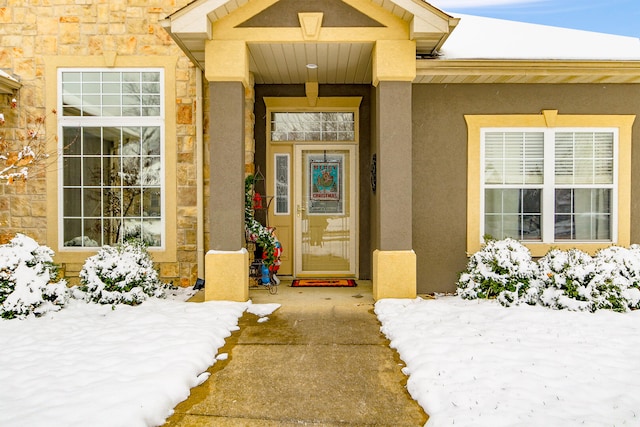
x,y
227,276
394,274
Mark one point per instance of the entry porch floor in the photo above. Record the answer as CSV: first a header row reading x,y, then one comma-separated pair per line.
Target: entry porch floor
x,y
320,359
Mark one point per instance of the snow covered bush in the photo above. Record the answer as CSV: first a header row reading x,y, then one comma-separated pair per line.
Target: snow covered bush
x,y
502,269
576,281
122,274
570,279
29,279
567,280
617,279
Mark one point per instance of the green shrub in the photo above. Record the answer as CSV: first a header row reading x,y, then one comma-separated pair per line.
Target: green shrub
x,y
567,280
502,269
29,279
122,274
570,279
617,278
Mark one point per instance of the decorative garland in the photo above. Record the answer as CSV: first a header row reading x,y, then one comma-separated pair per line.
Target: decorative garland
x,y
258,233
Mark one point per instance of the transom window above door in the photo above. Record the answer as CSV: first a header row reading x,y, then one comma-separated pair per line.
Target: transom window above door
x,y
313,126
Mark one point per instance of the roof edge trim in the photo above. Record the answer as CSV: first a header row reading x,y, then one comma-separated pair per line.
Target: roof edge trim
x,y
8,84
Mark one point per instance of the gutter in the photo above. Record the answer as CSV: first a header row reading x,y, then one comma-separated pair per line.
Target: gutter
x,y
166,24
199,173
8,84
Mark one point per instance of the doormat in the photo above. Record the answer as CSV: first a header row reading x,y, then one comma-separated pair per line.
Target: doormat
x,y
326,283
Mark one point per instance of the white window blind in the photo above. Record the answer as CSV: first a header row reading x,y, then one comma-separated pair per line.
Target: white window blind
x,y
584,158
514,157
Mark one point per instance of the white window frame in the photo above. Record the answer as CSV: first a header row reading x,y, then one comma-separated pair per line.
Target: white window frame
x,y
304,134
549,186
110,121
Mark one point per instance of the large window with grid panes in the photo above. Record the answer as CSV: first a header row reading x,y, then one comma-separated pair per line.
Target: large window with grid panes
x,y
111,127
549,185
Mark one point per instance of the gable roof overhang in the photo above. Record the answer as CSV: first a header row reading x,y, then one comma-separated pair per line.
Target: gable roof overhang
x,y
8,84
280,55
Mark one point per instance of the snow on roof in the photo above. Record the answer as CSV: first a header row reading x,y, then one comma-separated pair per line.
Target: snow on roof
x,y
477,37
7,76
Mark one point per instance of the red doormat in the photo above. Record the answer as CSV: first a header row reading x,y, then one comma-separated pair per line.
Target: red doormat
x,y
326,283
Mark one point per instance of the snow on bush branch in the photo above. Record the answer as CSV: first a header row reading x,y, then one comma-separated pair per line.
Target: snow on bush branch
x,y
122,274
28,279
573,280
24,150
29,284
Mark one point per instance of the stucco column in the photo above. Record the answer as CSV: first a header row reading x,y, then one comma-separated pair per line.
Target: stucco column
x,y
394,261
393,147
227,149
227,263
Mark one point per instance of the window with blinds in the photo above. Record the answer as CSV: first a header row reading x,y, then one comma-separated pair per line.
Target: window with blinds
x,y
584,179
548,185
584,158
514,174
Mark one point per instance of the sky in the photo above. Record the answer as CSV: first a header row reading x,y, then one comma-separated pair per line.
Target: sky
x,y
621,17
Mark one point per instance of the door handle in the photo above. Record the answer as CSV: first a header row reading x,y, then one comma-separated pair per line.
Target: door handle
x,y
300,209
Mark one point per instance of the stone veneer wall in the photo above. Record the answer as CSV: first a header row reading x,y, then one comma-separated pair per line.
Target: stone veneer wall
x,y
249,124
38,28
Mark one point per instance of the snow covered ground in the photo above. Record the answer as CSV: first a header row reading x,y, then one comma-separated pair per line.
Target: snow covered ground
x,y
470,363
477,363
91,365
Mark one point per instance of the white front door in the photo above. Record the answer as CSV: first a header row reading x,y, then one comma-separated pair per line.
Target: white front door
x,y
325,209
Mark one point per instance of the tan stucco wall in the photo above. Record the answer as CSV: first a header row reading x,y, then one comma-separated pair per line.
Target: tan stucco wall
x,y
440,159
34,31
392,146
285,14
227,163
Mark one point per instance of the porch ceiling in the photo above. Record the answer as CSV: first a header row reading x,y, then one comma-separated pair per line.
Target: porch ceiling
x,y
286,63
346,63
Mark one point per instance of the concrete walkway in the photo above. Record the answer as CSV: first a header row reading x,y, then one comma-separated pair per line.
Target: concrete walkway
x,y
319,360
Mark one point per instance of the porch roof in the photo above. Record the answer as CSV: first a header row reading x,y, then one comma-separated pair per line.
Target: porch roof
x,y
284,61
